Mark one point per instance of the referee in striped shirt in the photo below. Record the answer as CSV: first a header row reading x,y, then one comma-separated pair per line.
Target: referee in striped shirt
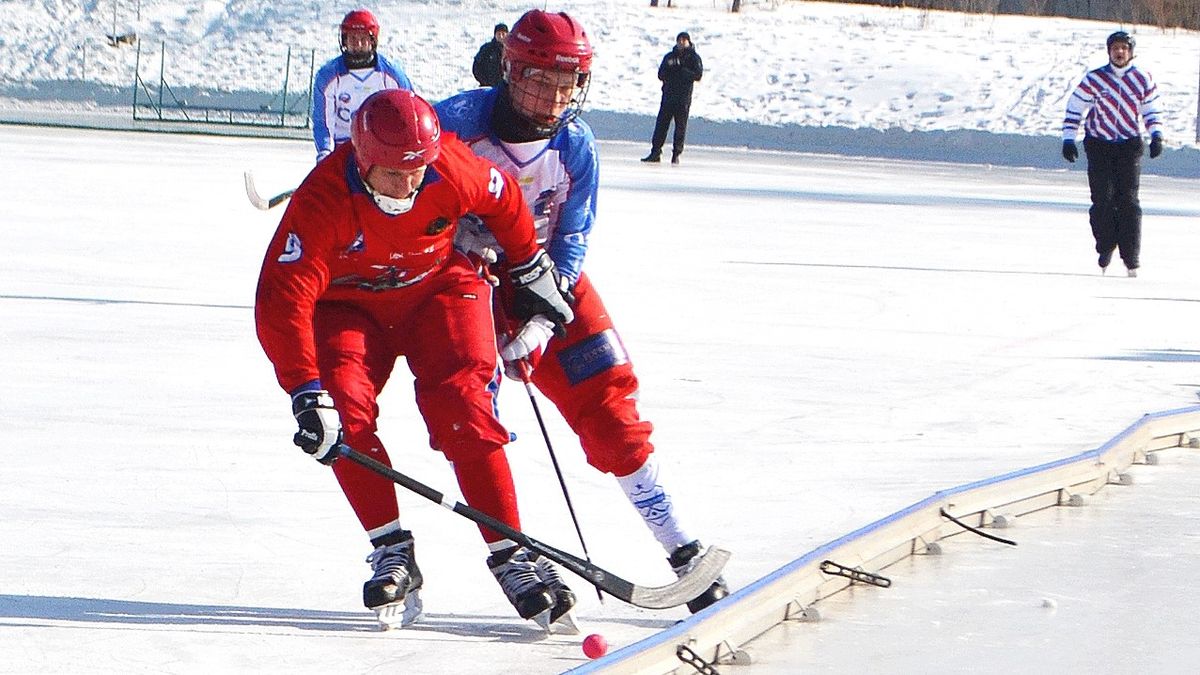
x,y
1111,103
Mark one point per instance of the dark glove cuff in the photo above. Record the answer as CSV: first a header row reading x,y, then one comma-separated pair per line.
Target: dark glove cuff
x,y
311,385
308,400
525,273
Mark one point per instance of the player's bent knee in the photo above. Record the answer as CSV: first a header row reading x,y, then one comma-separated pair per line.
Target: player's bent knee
x,y
615,443
620,464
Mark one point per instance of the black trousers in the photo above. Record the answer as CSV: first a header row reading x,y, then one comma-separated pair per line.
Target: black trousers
x,y
1114,176
670,110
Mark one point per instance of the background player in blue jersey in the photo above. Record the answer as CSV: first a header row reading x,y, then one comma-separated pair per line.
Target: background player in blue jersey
x,y
529,127
344,82
1110,103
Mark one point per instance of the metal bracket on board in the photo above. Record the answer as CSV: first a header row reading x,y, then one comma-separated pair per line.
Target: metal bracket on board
x,y
1068,498
798,612
684,653
830,567
976,530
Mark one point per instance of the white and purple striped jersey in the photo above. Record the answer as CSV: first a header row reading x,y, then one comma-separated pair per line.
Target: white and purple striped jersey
x,y
559,177
339,91
1111,102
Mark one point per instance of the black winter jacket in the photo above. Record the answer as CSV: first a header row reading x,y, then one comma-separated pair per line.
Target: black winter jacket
x,y
680,69
486,67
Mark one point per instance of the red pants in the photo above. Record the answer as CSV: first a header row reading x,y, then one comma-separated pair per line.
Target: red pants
x,y
589,377
443,327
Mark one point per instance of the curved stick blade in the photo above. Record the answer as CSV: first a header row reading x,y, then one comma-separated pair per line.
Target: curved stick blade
x,y
702,575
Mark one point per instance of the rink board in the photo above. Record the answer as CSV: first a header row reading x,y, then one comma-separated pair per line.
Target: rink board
x,y
791,593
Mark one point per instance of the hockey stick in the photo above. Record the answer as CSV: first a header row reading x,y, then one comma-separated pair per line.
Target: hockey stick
x,y
526,369
526,374
258,201
707,566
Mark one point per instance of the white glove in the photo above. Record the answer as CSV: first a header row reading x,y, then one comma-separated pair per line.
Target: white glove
x,y
473,238
528,343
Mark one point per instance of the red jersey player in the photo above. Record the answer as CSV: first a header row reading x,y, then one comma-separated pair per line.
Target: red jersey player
x,y
361,271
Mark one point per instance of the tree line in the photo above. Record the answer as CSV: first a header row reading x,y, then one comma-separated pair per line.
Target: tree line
x,y
1161,13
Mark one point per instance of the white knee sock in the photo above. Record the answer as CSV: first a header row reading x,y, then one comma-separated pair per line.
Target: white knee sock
x,y
647,494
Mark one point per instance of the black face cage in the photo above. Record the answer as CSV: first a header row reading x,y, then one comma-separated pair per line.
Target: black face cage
x,y
342,42
575,107
523,100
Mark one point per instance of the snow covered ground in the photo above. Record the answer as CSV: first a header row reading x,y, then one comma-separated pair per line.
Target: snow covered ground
x,y
822,341
776,64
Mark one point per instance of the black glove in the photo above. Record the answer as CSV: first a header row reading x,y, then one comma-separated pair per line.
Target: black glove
x,y
1070,152
1155,145
320,427
540,289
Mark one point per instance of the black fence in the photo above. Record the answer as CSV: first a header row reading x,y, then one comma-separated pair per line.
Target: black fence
x,y
290,107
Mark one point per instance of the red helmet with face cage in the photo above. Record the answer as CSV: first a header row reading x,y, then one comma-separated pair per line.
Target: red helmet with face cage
x,y
547,42
359,21
396,129
541,41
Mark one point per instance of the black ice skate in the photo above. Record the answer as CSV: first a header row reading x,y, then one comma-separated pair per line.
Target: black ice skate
x,y
562,619
681,562
394,593
517,575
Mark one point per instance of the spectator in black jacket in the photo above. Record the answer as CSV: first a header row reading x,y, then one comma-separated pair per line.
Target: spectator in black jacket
x,y
486,68
680,69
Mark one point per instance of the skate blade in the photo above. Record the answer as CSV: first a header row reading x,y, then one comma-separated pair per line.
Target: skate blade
x,y
563,625
400,614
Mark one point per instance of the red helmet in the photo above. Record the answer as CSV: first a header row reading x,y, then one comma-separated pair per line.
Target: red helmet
x,y
547,42
361,20
396,129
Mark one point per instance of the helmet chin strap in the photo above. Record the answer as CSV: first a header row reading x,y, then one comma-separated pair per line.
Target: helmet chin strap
x,y
392,205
